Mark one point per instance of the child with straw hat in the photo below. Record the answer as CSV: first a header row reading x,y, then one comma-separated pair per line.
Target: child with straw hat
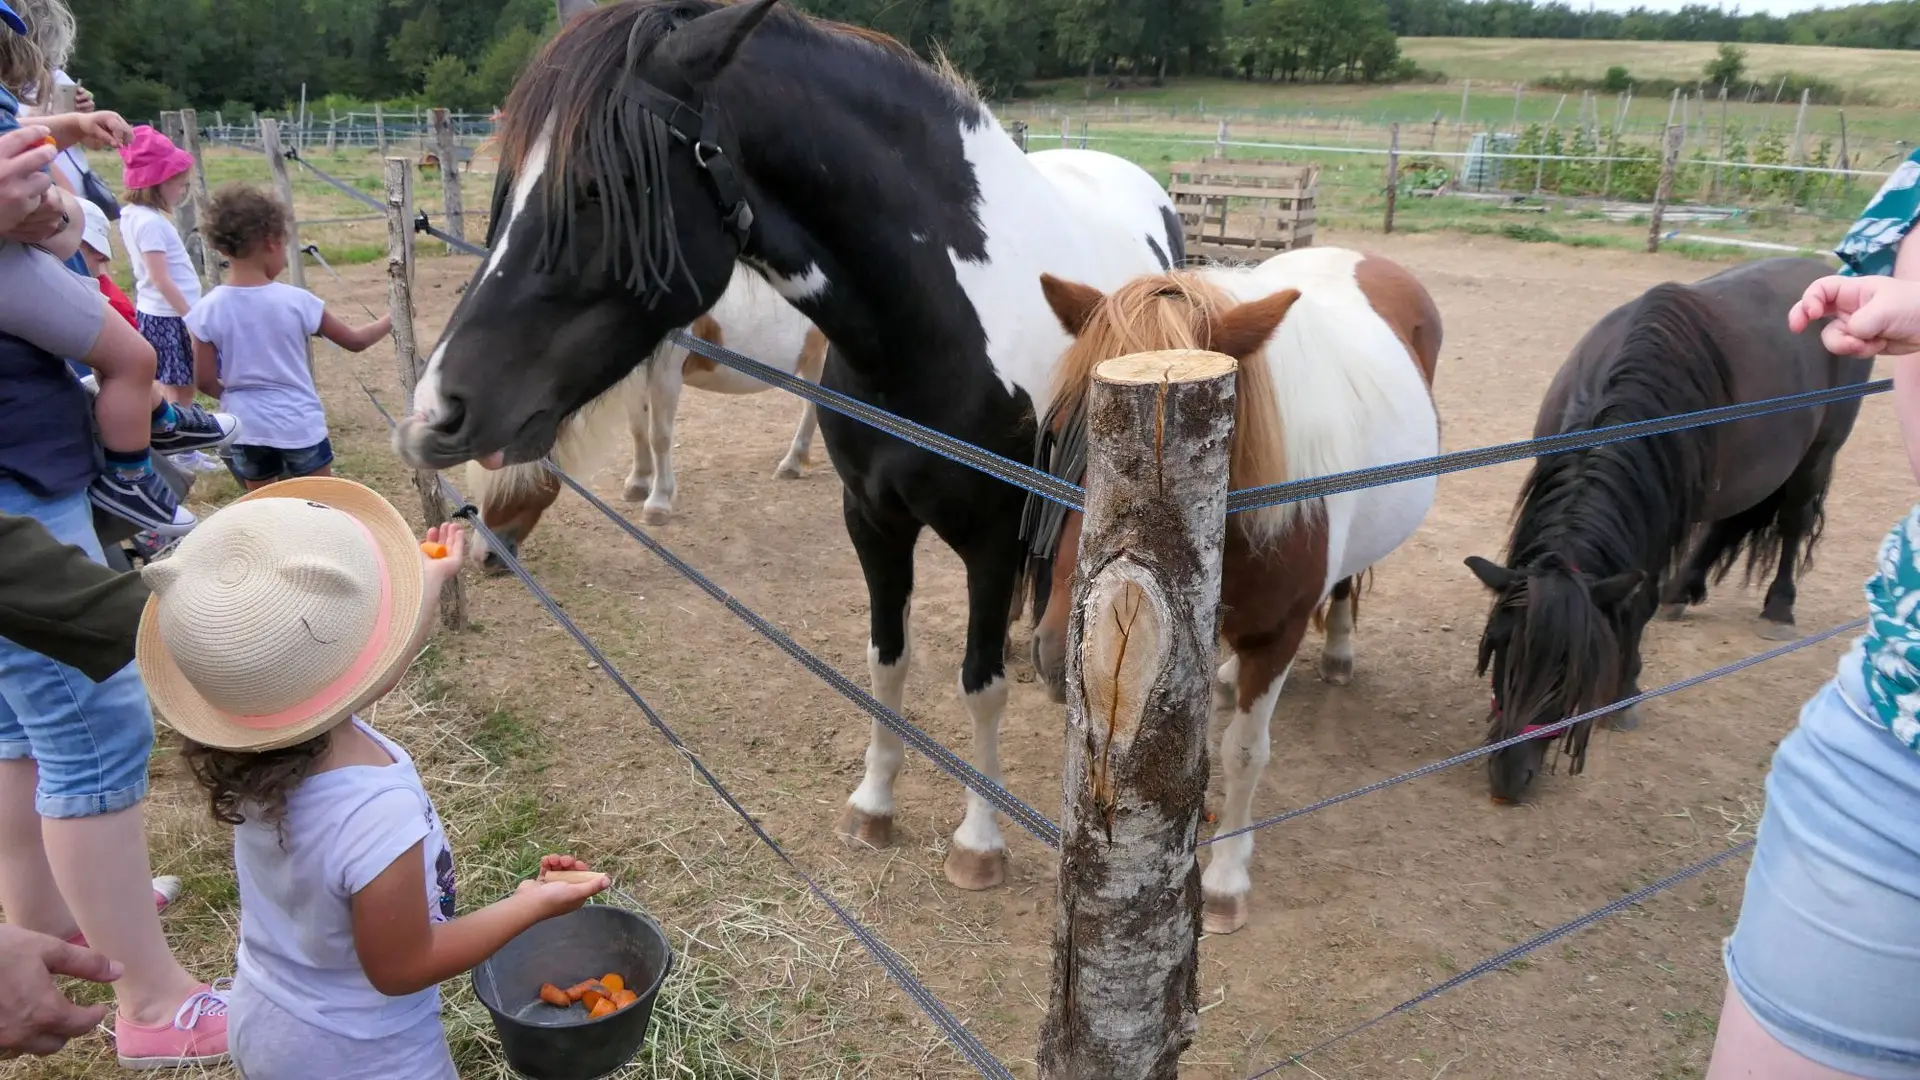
x,y
270,627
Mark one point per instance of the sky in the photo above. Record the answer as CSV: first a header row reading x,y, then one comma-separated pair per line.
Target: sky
x,y
1770,7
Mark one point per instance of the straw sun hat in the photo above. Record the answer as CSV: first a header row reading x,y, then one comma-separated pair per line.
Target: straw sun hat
x,y
281,615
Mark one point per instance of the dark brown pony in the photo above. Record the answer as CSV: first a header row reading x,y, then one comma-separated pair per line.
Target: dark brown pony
x,y
1598,533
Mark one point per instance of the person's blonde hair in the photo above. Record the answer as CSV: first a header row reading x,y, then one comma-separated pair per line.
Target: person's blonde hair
x,y
149,197
27,63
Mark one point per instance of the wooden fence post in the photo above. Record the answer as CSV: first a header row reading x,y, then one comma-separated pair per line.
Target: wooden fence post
x,y
1220,142
448,149
433,505
1018,129
1141,651
197,197
1800,129
379,129
283,190
1669,159
1393,172
184,217
333,130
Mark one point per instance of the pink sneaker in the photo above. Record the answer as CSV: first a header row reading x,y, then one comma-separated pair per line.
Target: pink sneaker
x,y
166,889
197,1036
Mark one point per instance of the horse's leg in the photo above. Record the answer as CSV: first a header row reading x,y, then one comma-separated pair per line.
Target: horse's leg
x,y
663,408
886,560
1689,587
813,360
1629,718
1801,497
1336,659
640,478
1243,755
977,857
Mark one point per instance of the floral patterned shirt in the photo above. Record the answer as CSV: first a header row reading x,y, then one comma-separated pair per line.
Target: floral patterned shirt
x,y
1889,655
1869,247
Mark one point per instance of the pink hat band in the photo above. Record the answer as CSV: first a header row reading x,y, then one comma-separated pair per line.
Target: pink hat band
x,y
152,159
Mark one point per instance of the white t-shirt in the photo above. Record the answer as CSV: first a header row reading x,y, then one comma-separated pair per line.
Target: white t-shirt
x,y
343,828
261,332
143,230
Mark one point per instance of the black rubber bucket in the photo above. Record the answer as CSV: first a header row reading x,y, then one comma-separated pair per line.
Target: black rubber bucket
x,y
542,1042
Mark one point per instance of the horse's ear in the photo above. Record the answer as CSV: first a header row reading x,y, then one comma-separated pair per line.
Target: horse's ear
x,y
573,9
1491,574
1613,591
1243,330
701,49
1072,303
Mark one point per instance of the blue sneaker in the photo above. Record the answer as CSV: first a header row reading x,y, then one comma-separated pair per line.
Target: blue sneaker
x,y
142,498
194,428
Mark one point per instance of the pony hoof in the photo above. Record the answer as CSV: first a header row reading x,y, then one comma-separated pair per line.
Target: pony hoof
x,y
636,491
654,515
1222,914
1337,670
1673,612
976,870
1775,631
1624,720
787,471
856,828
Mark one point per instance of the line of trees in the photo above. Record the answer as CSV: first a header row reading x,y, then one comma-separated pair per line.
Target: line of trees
x,y
1891,25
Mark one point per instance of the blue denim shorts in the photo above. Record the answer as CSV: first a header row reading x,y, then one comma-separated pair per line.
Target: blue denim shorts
x,y
1826,954
90,740
258,463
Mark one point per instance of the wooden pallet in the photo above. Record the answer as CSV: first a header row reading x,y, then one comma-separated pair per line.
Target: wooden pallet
x,y
1244,209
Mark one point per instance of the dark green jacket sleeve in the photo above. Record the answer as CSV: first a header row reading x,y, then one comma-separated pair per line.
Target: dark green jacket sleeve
x,y
60,603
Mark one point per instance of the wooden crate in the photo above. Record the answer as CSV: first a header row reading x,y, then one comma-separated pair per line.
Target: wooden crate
x,y
1244,210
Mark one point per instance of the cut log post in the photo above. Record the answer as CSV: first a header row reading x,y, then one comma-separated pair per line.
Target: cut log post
x,y
379,129
1140,663
1018,129
1393,173
207,260
184,217
1669,159
433,504
283,190
448,148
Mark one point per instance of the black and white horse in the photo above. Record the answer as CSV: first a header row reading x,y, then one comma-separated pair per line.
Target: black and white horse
x,y
653,142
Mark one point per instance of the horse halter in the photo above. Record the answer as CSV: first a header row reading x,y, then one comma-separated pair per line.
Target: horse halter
x,y
699,128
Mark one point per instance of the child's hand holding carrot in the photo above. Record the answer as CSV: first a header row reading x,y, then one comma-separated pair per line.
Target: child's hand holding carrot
x,y
444,549
557,897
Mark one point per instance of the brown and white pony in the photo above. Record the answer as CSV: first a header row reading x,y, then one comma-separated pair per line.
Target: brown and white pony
x,y
749,318
1337,352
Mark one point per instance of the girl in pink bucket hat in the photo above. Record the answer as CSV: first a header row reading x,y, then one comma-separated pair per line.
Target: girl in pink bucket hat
x,y
271,626
165,284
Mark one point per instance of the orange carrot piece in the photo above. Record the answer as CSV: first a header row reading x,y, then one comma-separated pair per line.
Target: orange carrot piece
x,y
554,996
624,998
579,989
604,1008
613,982
433,550
592,998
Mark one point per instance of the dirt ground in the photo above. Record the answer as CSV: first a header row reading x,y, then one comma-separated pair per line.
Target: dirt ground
x,y
1354,909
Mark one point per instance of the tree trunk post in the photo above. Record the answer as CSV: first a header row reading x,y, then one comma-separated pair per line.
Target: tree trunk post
x,y
1722,154
1669,158
1845,162
207,260
1393,172
448,147
185,219
283,190
1140,665
380,129
433,505
1018,129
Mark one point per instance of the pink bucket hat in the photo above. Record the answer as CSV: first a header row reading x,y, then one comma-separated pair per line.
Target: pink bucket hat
x,y
152,159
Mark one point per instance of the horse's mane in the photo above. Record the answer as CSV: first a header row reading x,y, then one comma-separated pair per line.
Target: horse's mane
x,y
601,138
1631,504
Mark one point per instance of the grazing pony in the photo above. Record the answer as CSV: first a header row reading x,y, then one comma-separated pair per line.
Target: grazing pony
x,y
651,144
750,319
1597,531
1337,353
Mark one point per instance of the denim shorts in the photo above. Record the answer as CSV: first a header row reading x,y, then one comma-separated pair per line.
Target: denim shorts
x,y
90,740
1826,954
258,463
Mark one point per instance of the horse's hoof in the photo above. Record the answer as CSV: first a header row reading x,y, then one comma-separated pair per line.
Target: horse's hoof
x,y
1775,631
1222,914
656,515
1337,670
1624,720
787,471
976,870
636,491
1673,612
857,828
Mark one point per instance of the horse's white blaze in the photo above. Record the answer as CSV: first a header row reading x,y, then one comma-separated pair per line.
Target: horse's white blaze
x,y
426,394
885,752
807,284
1077,214
1349,397
979,831
1244,751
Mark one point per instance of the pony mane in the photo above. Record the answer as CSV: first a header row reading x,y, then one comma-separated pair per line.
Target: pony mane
x,y
1631,504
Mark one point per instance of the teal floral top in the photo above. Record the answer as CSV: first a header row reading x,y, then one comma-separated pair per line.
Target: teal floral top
x,y
1869,247
1890,651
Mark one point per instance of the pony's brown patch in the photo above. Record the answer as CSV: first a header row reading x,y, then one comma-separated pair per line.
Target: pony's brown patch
x,y
707,329
1179,310
1406,307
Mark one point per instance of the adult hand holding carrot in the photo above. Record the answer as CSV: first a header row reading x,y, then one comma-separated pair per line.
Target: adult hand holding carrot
x,y
1872,316
24,156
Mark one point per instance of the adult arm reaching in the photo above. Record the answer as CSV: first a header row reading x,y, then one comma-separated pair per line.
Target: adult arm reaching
x,y
34,1017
